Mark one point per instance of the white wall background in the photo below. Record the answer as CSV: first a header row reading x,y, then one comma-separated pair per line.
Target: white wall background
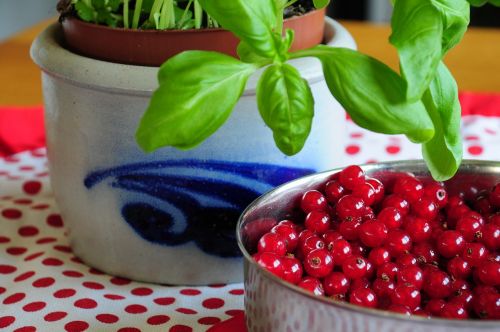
x,y
16,15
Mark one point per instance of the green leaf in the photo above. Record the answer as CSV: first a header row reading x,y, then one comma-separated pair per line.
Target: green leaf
x,y
99,4
320,3
417,30
287,106
114,4
85,12
477,3
372,93
252,21
456,18
247,54
192,101
443,153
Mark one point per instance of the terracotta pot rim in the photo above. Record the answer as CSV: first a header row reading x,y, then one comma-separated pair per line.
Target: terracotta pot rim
x,y
177,31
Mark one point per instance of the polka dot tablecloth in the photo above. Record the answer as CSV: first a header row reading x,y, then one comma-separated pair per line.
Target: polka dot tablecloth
x,y
44,287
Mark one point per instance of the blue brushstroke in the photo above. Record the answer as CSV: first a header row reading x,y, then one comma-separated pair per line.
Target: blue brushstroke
x,y
210,226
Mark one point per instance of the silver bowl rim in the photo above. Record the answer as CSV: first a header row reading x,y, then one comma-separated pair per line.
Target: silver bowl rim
x,y
469,165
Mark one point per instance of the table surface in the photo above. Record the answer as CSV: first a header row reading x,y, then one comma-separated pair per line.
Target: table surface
x,y
474,62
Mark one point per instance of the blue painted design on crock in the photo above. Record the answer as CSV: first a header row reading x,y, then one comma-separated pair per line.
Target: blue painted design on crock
x,y
207,195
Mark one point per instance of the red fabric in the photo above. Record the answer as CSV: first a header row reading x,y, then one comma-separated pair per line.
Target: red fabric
x,y
236,323
485,104
21,129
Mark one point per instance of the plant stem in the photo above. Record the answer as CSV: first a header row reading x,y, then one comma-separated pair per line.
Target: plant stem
x,y
186,10
198,15
155,9
137,14
125,14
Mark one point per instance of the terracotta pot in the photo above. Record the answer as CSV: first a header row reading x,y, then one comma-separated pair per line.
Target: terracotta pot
x,y
153,47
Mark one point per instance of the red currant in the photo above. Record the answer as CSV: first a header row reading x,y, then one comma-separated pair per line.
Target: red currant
x,y
288,233
398,242
313,200
333,191
474,253
391,217
459,268
372,233
350,229
317,221
411,275
312,285
318,263
292,269
409,187
270,261
450,243
406,294
454,311
397,202
311,243
437,284
366,192
350,206
378,187
272,242
436,192
336,284
351,177
364,297
387,271
354,267
418,229
379,256
340,250
489,273
425,208
491,236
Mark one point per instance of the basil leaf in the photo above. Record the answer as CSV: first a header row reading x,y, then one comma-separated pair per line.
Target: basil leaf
x,y
247,54
252,21
417,29
320,3
372,93
443,153
456,18
287,106
192,101
85,12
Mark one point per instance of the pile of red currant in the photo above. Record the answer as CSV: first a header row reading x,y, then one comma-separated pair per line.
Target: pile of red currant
x,y
404,246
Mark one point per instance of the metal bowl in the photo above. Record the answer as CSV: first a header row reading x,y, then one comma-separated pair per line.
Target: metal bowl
x,y
274,305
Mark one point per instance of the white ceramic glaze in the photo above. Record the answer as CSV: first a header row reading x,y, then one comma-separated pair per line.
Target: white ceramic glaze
x,y
146,216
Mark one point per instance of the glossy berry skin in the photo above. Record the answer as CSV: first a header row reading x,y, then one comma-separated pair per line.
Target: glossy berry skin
x,y
379,256
425,253
387,271
487,306
312,285
383,288
400,309
405,294
418,229
378,187
437,284
333,191
436,192
450,243
335,284
397,202
270,261
372,233
410,275
351,177
364,297
425,208
317,221
491,236
409,187
340,250
313,200
331,236
398,242
311,243
474,253
289,234
366,192
435,306
359,283
292,270
453,310
318,263
469,227
350,229
271,242
391,217
354,267
489,273
349,207
459,268
406,260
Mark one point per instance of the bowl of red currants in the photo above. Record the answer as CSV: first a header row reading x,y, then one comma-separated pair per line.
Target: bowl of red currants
x,y
378,247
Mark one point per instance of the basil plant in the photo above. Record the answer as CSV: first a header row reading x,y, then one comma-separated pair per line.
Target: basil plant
x,y
421,101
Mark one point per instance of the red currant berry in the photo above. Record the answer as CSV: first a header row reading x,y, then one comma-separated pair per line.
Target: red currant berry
x,y
378,187
387,271
350,229
331,236
453,310
354,267
483,205
317,221
398,242
379,256
333,191
270,261
494,196
359,249
364,297
425,253
292,269
464,298
406,260
425,208
359,283
397,202
489,273
391,217
335,284
350,206
418,229
372,233
435,306
312,285
437,284
487,306
288,233
450,243
340,250
469,227
272,242
311,243
459,268
491,236
411,275
408,187
400,309
318,263
383,288
304,235
351,177
474,253
406,294
495,219
313,200
456,213
436,192
366,192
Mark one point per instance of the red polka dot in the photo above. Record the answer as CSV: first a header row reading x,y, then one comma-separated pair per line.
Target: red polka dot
x,y
209,320
72,274
180,328
135,309
42,174
107,318
85,304
475,150
119,281
16,251
24,276
213,303
217,285
26,168
14,298
6,321
236,292
190,292
129,329
7,269
23,201
64,293
64,249
186,311
234,312
45,240
55,316
95,271
40,206
32,187
92,285
164,300
158,319
12,213
55,220
352,149
356,135
37,153
11,159
52,262
490,131
76,260
25,329
28,231
34,306
392,149
33,256
43,282
114,297
471,138
76,326
142,291
4,239
2,290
